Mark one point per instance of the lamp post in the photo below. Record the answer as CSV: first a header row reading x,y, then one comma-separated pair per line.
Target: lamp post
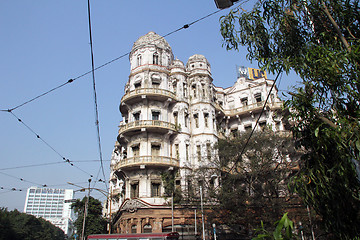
x,y
85,212
109,199
202,214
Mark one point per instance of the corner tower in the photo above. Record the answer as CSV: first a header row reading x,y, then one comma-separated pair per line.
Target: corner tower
x,y
144,151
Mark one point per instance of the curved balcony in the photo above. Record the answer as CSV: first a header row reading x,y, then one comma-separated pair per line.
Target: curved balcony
x,y
149,93
160,161
150,125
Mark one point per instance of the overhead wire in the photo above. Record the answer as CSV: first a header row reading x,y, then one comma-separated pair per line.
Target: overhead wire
x,y
94,91
256,123
22,179
105,64
47,144
10,110
50,163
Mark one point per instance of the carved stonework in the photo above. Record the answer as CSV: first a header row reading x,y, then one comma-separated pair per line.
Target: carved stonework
x,y
132,205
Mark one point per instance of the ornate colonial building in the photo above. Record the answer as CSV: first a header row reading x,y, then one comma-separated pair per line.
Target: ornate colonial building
x,y
172,117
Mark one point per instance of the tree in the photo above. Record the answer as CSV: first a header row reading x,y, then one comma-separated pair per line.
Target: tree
x,y
16,225
254,184
320,41
94,222
283,230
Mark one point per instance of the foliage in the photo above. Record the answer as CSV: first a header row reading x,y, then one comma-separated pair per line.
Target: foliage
x,y
94,222
320,41
16,225
284,227
254,184
168,179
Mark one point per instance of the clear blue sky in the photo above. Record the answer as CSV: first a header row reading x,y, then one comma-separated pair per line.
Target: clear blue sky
x,y
44,43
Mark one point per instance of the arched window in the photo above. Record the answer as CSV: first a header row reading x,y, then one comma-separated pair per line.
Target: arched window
x,y
147,228
156,58
139,60
133,229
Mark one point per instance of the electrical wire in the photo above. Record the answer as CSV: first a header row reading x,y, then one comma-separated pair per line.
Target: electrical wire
x,y
13,189
256,123
105,64
47,144
10,110
51,163
22,179
94,90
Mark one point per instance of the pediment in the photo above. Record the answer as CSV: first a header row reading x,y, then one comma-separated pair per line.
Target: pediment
x,y
132,205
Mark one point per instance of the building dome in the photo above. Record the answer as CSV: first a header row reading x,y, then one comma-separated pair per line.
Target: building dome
x,y
177,63
151,38
197,57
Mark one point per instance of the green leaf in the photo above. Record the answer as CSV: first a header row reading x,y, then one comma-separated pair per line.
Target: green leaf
x,y
317,132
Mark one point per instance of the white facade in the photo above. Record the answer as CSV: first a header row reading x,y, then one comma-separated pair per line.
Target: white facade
x,y
50,204
173,116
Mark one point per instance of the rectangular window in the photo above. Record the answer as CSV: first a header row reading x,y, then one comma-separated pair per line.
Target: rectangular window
x,y
137,85
208,151
134,190
136,150
186,119
196,118
177,151
198,152
175,87
194,90
187,152
155,189
156,59
155,150
136,116
244,101
175,118
155,115
257,97
139,60
206,119
156,84
185,89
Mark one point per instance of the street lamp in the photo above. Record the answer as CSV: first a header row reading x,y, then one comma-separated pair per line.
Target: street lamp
x,y
106,194
222,4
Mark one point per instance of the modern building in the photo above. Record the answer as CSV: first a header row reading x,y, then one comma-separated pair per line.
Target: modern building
x,y
51,205
173,116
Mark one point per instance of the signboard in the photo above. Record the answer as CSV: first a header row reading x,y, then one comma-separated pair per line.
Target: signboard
x,y
242,71
250,73
256,73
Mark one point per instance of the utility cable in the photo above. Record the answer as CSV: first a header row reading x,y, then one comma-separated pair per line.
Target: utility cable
x,y
33,165
22,179
47,144
51,163
256,123
94,90
103,65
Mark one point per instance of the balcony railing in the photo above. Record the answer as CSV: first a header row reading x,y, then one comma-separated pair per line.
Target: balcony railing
x,y
148,91
247,108
147,160
146,124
